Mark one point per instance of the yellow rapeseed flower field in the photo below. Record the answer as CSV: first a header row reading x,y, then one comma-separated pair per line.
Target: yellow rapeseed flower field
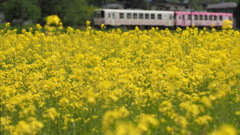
x,y
139,82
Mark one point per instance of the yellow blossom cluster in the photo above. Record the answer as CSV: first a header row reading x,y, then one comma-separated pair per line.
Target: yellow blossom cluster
x,y
157,81
53,23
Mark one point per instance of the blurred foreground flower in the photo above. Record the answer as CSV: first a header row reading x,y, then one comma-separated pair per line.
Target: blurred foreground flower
x,y
225,130
227,24
53,19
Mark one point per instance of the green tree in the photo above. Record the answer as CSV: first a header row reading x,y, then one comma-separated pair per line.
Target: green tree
x,y
21,11
135,4
72,12
77,12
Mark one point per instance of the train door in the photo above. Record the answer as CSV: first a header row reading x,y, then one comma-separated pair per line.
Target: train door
x,y
184,17
113,19
180,20
98,17
171,19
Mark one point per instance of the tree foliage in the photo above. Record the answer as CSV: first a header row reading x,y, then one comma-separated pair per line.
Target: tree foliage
x,y
76,12
138,4
72,12
19,11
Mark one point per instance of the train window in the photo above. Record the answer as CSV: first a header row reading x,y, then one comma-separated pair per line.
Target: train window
x,y
179,16
109,15
230,18
121,15
210,17
129,15
102,14
159,16
135,16
220,18
170,17
113,15
183,17
205,17
200,17
146,16
141,16
152,16
215,17
195,17
189,17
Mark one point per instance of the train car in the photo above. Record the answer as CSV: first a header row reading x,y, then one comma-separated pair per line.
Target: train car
x,y
201,19
117,17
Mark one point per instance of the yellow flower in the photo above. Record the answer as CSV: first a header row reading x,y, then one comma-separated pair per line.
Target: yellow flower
x,y
237,113
102,26
63,101
145,121
51,113
24,128
39,27
225,130
111,116
206,101
124,128
170,129
203,120
53,19
7,24
5,121
182,121
227,24
88,23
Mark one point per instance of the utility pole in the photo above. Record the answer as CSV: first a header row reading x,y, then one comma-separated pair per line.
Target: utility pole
x,y
190,6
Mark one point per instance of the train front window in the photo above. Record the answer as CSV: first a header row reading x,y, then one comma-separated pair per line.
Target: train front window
x,y
129,15
146,16
152,16
200,17
102,14
134,15
189,17
121,15
210,17
205,17
215,17
159,16
195,17
140,16
220,18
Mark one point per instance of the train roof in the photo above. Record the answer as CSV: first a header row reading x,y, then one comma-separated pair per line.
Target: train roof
x,y
203,13
133,10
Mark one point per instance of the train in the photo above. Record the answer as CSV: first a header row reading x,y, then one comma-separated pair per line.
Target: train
x,y
154,18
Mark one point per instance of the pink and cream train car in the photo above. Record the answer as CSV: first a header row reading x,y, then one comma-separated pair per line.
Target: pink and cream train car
x,y
117,17
201,19
123,17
